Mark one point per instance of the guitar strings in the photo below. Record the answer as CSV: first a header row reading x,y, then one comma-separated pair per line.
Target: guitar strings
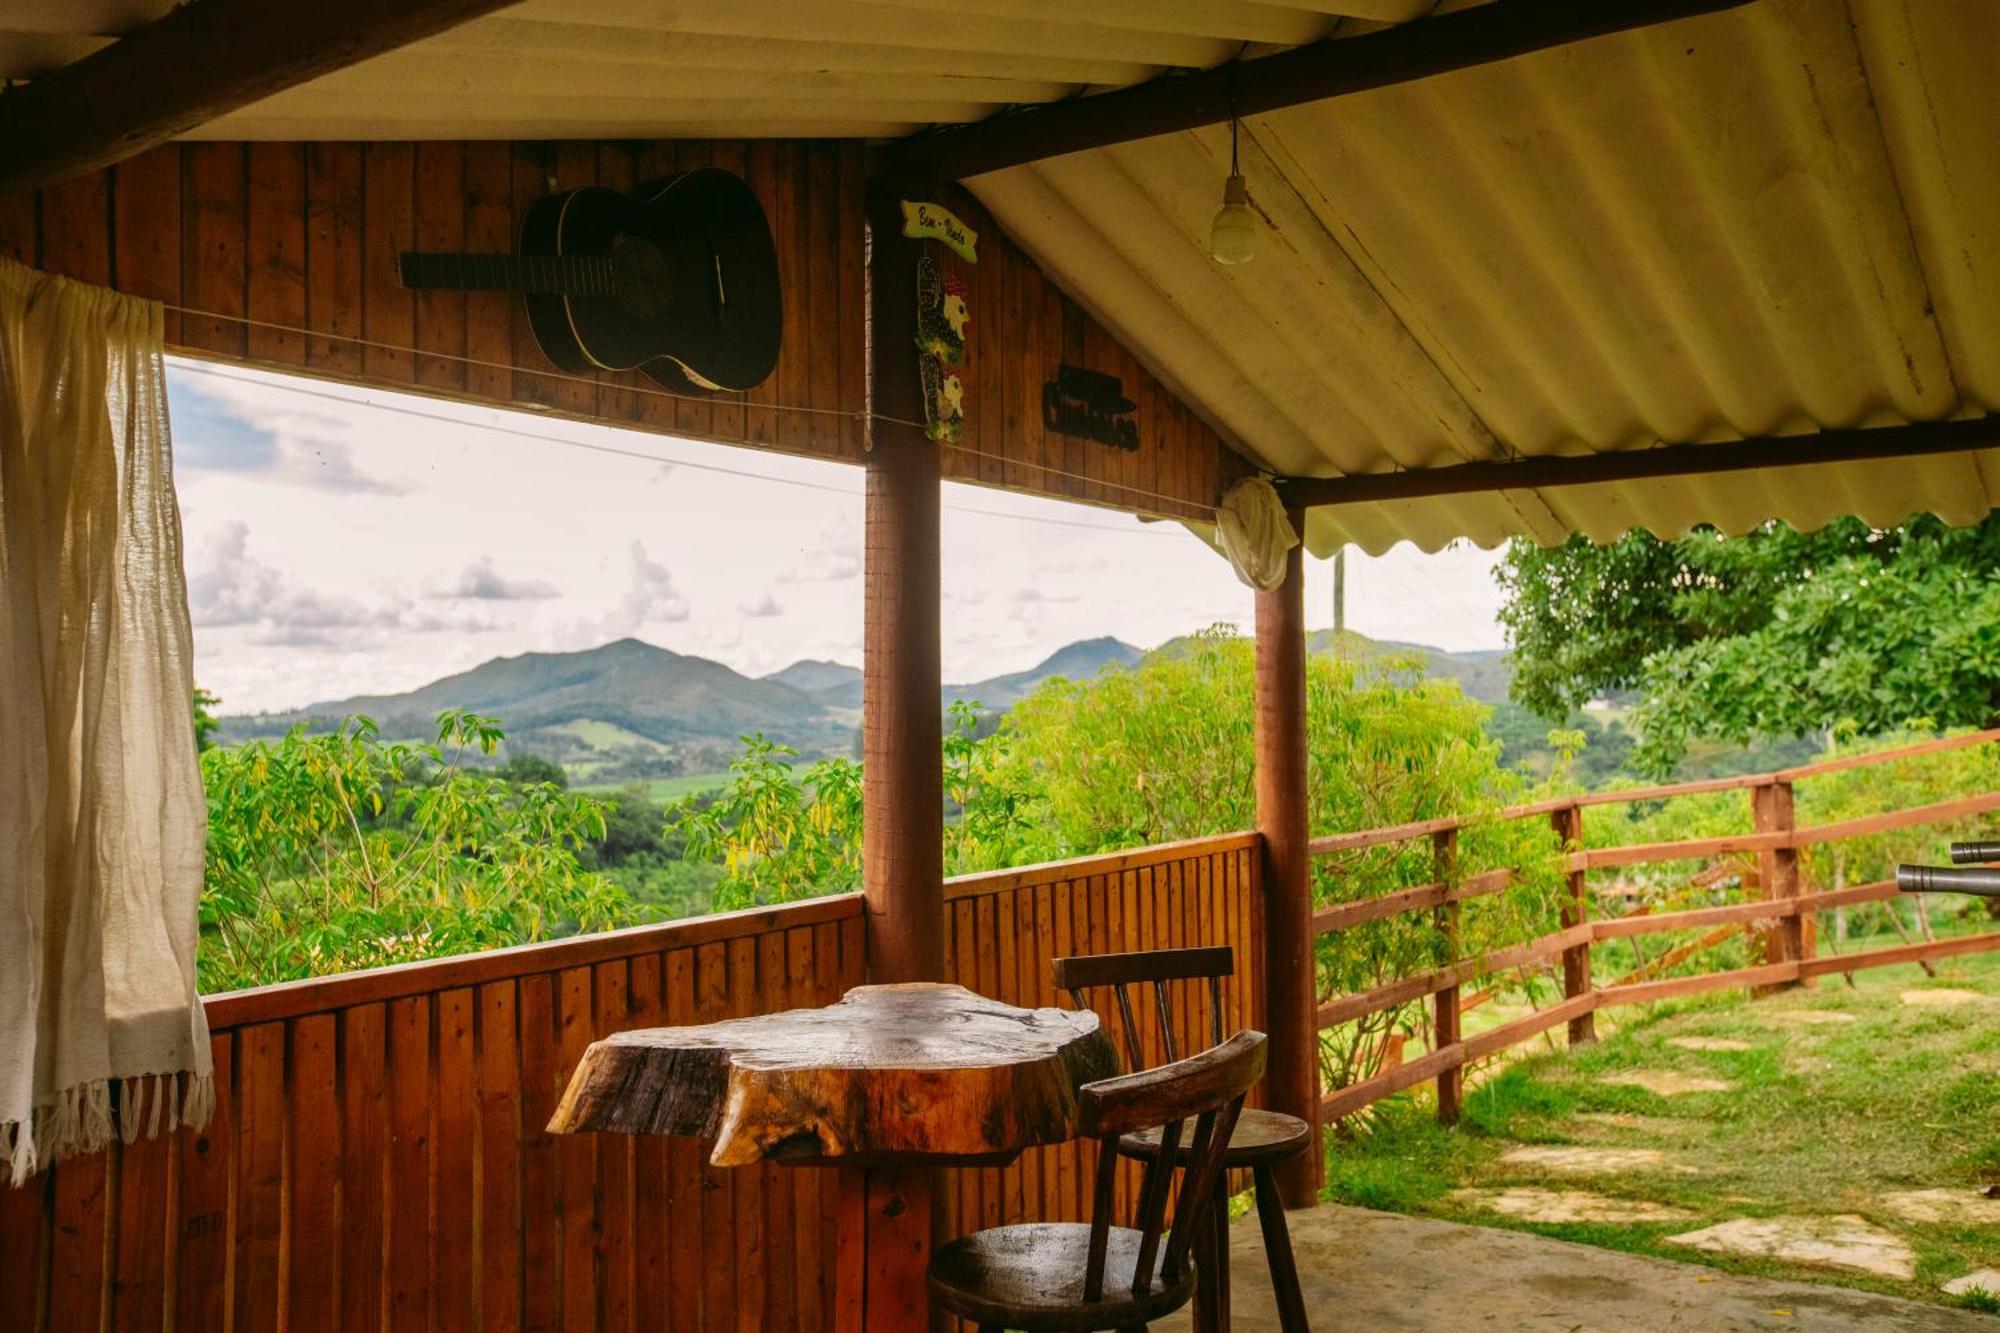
x,y
1171,508
588,446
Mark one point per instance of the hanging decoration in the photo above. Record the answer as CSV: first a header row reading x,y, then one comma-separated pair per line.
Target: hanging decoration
x,y
942,317
1255,533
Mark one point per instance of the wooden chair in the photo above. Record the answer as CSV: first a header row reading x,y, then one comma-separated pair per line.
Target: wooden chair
x,y
1261,1139
1069,1277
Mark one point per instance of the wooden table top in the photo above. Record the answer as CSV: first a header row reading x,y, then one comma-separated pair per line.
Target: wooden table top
x,y
921,1072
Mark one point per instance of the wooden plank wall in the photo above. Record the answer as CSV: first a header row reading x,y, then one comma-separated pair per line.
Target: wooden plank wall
x,y
301,240
377,1161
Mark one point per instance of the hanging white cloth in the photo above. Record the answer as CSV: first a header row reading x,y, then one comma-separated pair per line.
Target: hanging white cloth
x,y
1254,533
102,820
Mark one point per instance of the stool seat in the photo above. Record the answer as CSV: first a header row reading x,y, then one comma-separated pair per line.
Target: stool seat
x,y
1260,1137
1030,1277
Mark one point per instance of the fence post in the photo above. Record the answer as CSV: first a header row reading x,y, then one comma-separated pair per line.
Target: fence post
x,y
1778,869
1450,1082
1568,823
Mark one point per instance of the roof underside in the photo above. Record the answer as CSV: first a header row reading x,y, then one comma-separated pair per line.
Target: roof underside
x,y
1768,221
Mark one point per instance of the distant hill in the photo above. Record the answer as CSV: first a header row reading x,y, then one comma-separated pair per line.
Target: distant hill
x,y
631,710
1079,661
833,683
626,709
1483,674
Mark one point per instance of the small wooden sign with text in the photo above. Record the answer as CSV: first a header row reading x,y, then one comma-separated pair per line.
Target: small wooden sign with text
x,y
1090,405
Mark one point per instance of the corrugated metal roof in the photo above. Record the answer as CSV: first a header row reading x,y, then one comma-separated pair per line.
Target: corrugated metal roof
x,y
1775,219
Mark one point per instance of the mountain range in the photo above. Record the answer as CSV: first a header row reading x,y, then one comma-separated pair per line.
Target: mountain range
x,y
631,710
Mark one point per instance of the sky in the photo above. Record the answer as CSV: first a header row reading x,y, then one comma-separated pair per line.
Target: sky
x,y
341,541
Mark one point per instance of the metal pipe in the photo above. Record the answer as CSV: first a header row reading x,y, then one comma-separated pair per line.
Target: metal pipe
x,y
1980,881
1974,853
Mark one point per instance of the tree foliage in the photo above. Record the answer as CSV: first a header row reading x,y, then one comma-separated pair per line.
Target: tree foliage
x,y
1777,633
340,851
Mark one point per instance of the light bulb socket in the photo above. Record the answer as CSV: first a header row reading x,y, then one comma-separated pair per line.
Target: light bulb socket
x,y
1235,193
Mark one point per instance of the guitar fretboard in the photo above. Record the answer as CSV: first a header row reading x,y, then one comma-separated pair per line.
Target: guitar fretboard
x,y
547,275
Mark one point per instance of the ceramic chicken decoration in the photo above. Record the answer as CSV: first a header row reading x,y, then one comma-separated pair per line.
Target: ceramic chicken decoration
x,y
942,318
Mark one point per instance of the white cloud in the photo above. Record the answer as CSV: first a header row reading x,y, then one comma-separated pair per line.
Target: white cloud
x,y
480,581
762,610
306,592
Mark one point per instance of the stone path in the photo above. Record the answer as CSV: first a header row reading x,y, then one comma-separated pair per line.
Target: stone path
x,y
1380,1271
1576,1160
1956,1207
1709,1044
1529,1204
1980,1279
1942,995
1812,1017
1665,1082
1843,1241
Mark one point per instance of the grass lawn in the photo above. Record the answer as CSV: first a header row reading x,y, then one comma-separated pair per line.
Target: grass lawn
x,y
1819,1119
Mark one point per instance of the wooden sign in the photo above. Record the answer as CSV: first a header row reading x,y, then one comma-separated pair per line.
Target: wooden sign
x,y
935,222
1090,405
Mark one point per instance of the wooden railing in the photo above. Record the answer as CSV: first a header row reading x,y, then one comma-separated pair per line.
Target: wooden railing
x,y
377,1159
1785,915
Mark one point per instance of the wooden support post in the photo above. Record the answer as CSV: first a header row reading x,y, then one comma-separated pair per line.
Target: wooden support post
x,y
902,780
1778,868
1290,969
1568,823
1446,1027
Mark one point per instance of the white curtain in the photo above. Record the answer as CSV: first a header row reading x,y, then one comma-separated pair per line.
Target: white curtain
x,y
101,814
1254,533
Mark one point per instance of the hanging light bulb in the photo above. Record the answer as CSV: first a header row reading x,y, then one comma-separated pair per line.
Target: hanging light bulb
x,y
1232,237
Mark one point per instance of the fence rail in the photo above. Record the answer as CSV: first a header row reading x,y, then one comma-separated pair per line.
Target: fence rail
x,y
1785,917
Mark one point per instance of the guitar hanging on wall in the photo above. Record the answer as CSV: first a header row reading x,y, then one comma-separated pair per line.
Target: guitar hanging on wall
x,y
678,281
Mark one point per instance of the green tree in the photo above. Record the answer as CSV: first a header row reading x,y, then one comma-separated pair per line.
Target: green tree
x,y
205,725
531,768
340,851
1775,634
779,833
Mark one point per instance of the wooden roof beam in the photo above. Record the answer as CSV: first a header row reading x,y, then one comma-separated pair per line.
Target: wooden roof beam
x,y
1315,73
1673,460
189,66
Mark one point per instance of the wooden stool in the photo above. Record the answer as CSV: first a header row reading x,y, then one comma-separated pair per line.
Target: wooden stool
x,y
1071,1277
1259,1140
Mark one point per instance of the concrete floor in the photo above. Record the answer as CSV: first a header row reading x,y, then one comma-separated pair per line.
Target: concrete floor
x,y
1364,1271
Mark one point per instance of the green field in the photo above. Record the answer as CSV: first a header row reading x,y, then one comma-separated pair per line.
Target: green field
x,y
666,789
1820,1117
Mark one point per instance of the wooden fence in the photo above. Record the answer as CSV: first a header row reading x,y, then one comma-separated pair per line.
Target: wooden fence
x,y
377,1160
1786,914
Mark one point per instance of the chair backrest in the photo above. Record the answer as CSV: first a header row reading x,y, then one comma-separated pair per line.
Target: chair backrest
x,y
1163,968
1209,1089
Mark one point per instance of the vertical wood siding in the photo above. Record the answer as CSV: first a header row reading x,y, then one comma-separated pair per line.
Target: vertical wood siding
x,y
377,1161
290,251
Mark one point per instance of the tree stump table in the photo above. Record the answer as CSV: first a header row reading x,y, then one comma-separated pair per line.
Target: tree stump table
x,y
884,1084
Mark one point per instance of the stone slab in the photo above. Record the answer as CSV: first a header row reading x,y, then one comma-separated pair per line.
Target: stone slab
x,y
1942,995
1979,1279
1851,1244
1812,1017
1957,1207
1709,1044
1538,1205
1568,1159
1665,1082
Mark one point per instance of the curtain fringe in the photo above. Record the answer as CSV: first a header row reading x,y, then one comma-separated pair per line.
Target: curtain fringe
x,y
86,1117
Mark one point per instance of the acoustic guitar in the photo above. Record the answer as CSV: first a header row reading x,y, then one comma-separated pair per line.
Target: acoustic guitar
x,y
678,281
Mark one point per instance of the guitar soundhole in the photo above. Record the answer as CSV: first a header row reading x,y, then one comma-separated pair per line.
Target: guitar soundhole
x,y
641,276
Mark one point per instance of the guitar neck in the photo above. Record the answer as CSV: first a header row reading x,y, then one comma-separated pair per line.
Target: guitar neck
x,y
544,275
